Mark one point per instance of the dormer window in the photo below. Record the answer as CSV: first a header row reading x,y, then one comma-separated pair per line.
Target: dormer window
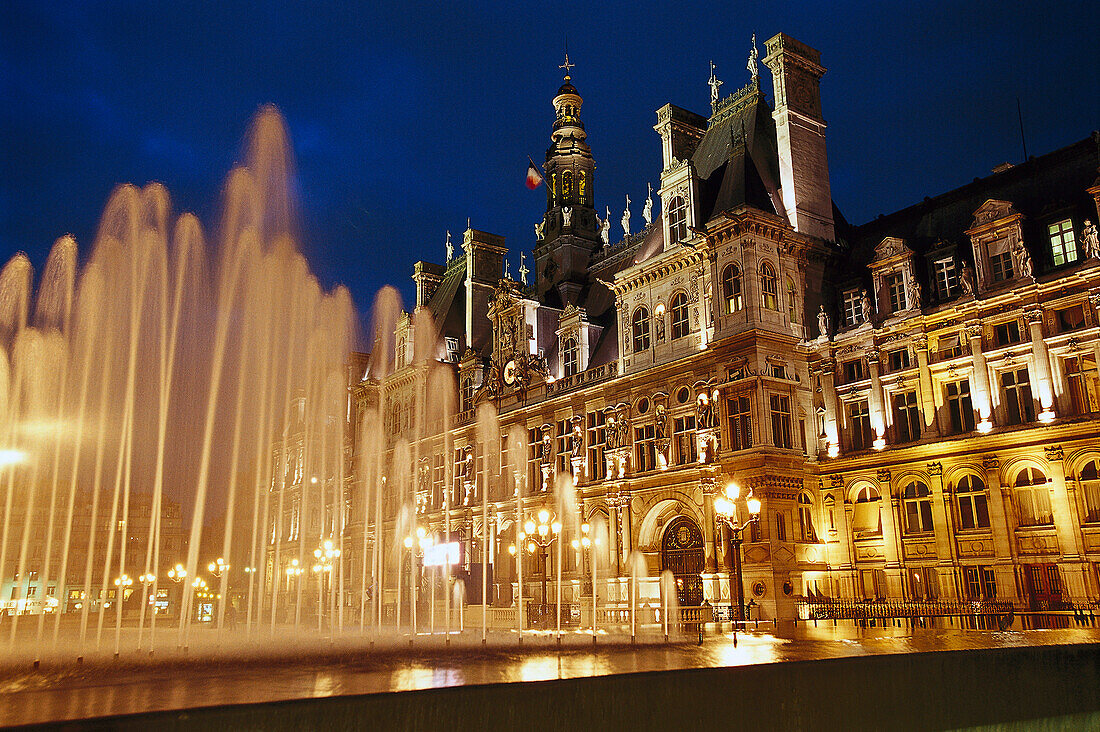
x,y
853,308
569,357
895,288
677,219
1000,265
946,277
1063,246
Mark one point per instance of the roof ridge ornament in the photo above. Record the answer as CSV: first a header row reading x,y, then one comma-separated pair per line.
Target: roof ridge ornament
x,y
713,82
567,66
753,65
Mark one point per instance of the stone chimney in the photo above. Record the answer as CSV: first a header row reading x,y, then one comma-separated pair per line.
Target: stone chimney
x,y
484,268
803,167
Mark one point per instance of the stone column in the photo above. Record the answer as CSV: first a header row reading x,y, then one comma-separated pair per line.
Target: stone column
x,y
1043,381
878,408
980,392
832,423
1066,523
709,487
1002,522
891,536
943,525
613,532
927,399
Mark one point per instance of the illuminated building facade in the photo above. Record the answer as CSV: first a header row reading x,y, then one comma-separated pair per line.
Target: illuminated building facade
x,y
913,401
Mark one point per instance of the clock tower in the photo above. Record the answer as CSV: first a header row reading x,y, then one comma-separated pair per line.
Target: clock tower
x,y
569,232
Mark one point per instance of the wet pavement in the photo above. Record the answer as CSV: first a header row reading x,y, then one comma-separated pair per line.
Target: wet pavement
x,y
100,689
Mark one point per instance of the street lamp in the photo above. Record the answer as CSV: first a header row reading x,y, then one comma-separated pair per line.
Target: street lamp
x,y
585,543
539,537
418,547
217,567
725,508
324,554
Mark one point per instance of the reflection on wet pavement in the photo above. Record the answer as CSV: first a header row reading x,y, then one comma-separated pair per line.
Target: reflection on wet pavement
x,y
70,694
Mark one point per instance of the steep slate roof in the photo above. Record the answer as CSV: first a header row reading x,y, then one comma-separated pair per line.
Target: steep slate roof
x,y
737,160
1044,188
448,303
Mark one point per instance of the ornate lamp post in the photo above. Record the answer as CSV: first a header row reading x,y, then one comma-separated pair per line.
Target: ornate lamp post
x,y
324,554
585,544
539,538
417,546
725,508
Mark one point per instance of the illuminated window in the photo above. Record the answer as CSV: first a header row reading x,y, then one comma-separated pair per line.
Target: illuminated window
x,y
895,286
853,307
866,518
981,583
906,416
731,288
1016,397
973,509
781,421
917,505
678,311
945,276
1090,486
569,356
806,518
639,324
859,420
960,409
1063,247
792,301
597,441
739,414
677,219
1033,498
769,286
1083,384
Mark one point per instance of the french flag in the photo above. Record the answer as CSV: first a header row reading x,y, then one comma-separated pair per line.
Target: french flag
x,y
534,178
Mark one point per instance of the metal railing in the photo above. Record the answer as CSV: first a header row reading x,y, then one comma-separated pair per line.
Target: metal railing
x,y
545,615
978,613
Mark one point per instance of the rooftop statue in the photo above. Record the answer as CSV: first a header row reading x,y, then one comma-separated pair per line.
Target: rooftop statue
x,y
714,83
450,247
647,210
605,226
626,218
753,65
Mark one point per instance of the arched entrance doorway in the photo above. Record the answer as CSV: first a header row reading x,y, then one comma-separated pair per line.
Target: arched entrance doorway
x,y
682,554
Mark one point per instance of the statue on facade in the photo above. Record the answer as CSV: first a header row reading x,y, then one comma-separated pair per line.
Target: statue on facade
x,y
450,246
966,279
546,447
576,439
623,427
1091,240
647,209
914,292
566,215
867,306
626,218
713,83
507,265
1023,261
705,418
822,323
753,65
611,432
523,271
539,230
605,226
660,423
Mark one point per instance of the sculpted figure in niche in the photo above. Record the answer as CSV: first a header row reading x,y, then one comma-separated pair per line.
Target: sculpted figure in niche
x,y
611,431
576,439
867,306
914,292
822,323
1023,260
966,279
566,215
546,449
660,419
705,418
1091,240
623,428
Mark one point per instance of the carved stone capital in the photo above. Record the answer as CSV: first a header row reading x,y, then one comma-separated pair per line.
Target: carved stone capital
x,y
991,462
836,480
1054,453
1033,315
935,468
973,329
921,342
883,475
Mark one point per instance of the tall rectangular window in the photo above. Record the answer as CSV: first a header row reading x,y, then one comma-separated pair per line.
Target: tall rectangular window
x,y
1070,318
898,359
853,370
960,409
950,346
597,441
534,461
853,308
945,277
1083,384
565,433
1063,247
895,285
781,420
1007,333
906,416
780,526
859,417
645,451
683,438
1001,266
1016,396
739,414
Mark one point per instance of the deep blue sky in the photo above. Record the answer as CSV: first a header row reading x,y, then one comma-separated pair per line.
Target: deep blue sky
x,y
407,119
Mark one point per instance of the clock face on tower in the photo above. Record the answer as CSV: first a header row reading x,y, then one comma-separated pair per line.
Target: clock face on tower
x,y
509,373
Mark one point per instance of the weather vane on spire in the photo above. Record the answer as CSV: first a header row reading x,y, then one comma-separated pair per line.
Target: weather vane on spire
x,y
567,66
714,83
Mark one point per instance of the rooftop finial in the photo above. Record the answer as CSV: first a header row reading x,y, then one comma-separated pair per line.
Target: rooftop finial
x,y
714,83
753,66
567,66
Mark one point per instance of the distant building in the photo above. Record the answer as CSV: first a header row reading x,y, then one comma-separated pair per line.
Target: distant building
x,y
913,400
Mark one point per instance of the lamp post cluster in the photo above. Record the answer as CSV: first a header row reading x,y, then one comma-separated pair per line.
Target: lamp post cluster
x,y
539,536
418,546
725,508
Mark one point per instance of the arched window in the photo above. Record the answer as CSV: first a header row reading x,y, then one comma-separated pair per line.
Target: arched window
x,y
678,310
769,286
1033,498
806,518
918,508
731,288
792,301
1090,486
569,356
973,511
567,187
677,219
866,518
639,325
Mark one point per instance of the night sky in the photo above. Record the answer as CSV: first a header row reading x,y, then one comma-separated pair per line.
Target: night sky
x,y
407,120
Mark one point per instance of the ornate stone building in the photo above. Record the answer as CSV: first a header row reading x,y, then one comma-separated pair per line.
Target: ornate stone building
x,y
914,401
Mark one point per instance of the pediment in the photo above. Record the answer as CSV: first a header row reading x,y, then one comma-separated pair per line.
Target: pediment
x,y
891,248
993,210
